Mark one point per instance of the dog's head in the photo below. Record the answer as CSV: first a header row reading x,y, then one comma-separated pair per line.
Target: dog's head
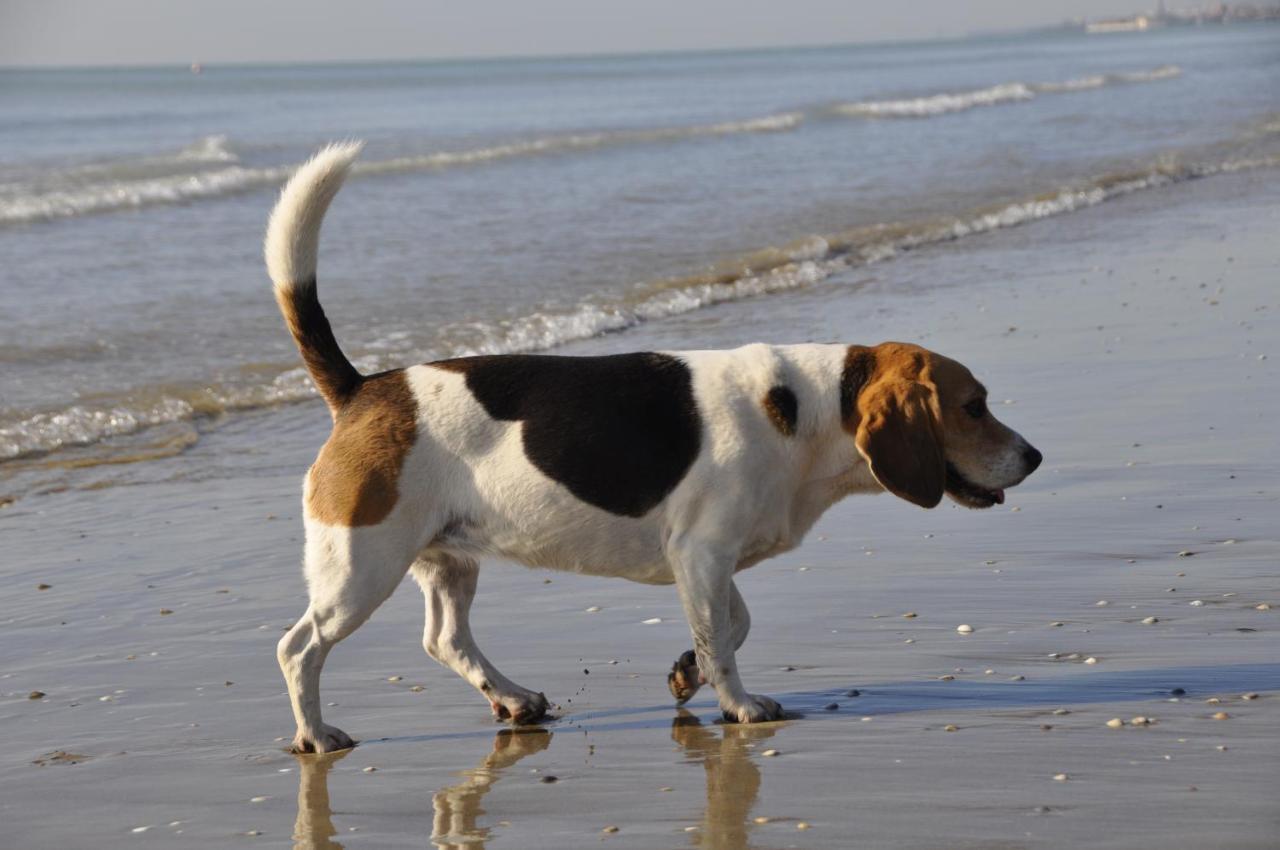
x,y
921,422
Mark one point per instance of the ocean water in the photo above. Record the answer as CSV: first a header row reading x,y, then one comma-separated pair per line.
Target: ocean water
x,y
505,206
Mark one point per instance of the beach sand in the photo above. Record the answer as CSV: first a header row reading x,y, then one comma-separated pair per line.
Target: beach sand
x,y
1129,343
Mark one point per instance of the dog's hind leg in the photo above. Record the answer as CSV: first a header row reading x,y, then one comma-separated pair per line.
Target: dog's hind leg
x,y
448,584
685,678
350,572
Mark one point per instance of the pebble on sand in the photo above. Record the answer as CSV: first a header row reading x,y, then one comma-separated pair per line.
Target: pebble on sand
x,y
951,727
1263,606
762,819
1091,660
43,586
1060,777
165,611
802,825
1196,603
946,677
370,769
394,678
1017,678
1115,723
1221,715
1250,695
652,621
610,829
910,615
964,629
1150,621
769,753
593,609
1141,721
1061,711
831,706
36,695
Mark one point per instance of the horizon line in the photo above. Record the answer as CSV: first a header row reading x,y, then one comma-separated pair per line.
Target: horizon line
x,y
535,57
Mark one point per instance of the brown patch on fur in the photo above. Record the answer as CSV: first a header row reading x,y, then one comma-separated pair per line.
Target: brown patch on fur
x,y
354,480
782,408
890,405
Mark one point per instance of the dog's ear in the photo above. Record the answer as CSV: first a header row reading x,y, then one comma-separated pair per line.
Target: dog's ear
x,y
900,436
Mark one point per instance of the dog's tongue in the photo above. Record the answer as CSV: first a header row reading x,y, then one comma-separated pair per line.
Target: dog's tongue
x,y
999,494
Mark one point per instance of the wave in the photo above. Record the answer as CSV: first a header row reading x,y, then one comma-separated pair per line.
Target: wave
x,y
92,189
799,264
928,106
210,167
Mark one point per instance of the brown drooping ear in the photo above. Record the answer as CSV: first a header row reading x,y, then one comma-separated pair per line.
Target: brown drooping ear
x,y
901,438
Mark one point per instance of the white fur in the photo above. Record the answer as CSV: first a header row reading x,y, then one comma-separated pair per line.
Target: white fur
x,y
466,490
293,233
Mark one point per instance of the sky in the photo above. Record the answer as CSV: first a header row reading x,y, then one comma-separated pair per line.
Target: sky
x,y
147,32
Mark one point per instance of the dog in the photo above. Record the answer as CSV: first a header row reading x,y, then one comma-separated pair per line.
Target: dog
x,y
660,467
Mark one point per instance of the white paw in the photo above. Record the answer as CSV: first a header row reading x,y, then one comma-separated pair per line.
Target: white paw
x,y
755,709
519,707
327,740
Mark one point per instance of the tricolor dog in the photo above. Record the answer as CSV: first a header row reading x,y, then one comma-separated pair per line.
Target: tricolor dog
x,y
679,467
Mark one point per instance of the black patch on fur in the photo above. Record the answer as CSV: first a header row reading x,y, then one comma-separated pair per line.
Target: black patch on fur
x,y
781,405
859,363
619,432
334,376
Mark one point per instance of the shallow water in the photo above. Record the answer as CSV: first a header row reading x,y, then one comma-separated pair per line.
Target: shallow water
x,y
519,205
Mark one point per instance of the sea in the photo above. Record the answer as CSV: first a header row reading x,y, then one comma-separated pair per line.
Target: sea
x,y
525,204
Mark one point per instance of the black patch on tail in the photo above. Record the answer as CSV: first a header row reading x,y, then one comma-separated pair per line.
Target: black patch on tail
x,y
619,432
332,372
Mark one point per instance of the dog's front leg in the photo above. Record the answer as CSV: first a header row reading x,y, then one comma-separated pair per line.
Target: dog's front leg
x,y
704,577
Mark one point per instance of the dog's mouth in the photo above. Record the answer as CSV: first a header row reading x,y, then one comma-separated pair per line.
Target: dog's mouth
x,y
969,494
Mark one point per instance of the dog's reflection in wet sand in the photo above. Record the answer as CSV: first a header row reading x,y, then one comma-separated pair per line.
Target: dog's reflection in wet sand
x,y
313,828
727,754
457,807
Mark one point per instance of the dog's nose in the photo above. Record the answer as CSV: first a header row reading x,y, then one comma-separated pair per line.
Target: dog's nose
x,y
1032,457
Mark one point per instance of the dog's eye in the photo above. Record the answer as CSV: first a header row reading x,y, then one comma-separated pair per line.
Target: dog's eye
x,y
976,408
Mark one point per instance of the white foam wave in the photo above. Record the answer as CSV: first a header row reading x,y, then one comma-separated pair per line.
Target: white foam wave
x,y
928,106
804,264
209,149
114,195
111,191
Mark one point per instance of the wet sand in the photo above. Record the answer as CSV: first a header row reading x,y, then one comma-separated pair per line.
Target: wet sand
x,y
1129,348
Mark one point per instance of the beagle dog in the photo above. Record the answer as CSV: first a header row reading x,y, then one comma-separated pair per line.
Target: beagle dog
x,y
678,467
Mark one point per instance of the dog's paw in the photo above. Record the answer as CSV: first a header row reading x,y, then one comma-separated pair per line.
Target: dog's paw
x,y
519,708
755,709
685,678
328,740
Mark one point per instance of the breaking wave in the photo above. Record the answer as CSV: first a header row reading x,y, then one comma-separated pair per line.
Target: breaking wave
x,y
793,266
211,168
172,179
928,106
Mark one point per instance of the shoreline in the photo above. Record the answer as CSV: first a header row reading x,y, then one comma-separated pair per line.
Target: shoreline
x,y
1068,332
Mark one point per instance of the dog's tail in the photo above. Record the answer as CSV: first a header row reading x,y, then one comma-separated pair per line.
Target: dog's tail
x,y
293,237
